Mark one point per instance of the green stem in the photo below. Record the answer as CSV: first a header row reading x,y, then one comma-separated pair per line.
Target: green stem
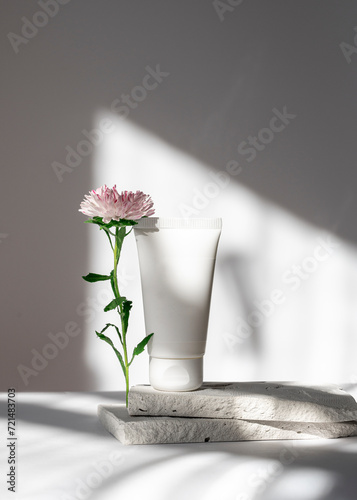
x,y
117,250
126,376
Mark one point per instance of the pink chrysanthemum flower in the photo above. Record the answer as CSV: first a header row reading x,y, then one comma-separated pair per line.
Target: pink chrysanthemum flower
x,y
109,204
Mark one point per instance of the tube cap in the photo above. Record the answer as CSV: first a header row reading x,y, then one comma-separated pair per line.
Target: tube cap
x,y
176,374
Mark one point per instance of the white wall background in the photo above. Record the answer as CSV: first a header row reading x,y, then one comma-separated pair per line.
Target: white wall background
x,y
227,73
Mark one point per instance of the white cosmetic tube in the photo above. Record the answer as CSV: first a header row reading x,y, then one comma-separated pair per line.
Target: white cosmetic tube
x,y
177,259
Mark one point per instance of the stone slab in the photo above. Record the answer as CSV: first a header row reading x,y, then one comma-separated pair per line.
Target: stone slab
x,y
160,430
261,401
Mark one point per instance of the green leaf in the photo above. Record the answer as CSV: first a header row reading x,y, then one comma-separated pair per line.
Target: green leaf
x,y
109,341
117,223
127,305
99,222
114,303
119,238
92,277
123,222
94,220
108,233
140,347
112,281
117,329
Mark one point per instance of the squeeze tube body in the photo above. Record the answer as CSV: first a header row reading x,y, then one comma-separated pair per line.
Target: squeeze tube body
x,y
177,260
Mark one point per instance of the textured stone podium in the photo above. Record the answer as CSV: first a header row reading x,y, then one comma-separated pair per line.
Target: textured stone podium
x,y
232,412
282,401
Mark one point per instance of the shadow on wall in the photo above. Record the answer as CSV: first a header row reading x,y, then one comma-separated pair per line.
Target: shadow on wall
x,y
243,86
272,266
236,274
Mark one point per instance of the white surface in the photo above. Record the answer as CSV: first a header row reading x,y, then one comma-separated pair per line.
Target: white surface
x,y
62,445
